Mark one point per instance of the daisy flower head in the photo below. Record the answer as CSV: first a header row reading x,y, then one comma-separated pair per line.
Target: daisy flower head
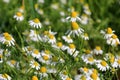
x,y
82,77
85,36
87,11
34,65
7,39
5,77
102,65
84,70
21,9
84,19
35,23
94,76
113,41
52,39
98,50
89,60
18,16
67,39
35,53
43,71
107,33
75,29
74,17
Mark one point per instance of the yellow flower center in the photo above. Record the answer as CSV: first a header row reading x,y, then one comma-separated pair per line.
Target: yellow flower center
x,y
47,51
36,6
87,51
46,32
59,44
98,48
29,48
68,78
83,78
72,46
103,63
94,76
45,57
0,56
13,62
86,35
36,51
5,75
85,69
91,59
36,64
19,14
36,20
43,69
118,61
95,71
112,59
68,37
7,36
34,78
65,73
51,36
114,36
109,31
74,14
75,26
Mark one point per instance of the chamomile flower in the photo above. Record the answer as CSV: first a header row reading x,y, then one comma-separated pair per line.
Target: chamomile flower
x,y
59,45
13,63
21,9
84,70
52,39
43,72
72,50
35,23
67,39
5,77
107,33
34,36
87,11
94,76
28,49
89,60
113,41
55,6
98,50
102,65
47,22
40,11
74,17
87,53
34,65
75,29
63,75
18,16
85,36
84,19
35,53
7,39
81,77
45,57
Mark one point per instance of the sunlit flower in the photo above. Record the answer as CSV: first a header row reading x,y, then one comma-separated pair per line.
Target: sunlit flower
x,y
63,75
18,16
28,49
94,76
87,11
74,17
85,36
98,50
87,53
5,77
35,65
35,23
52,39
89,60
43,71
7,39
67,39
107,33
81,77
13,63
75,29
102,65
84,19
113,41
84,70
35,53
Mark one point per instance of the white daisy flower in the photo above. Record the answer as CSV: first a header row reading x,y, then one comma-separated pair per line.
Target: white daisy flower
x,y
35,23
74,17
7,39
102,65
13,63
84,70
45,57
113,41
85,36
21,9
18,16
35,65
47,22
5,77
94,76
76,30
89,60
67,39
63,75
88,53
36,54
40,11
59,45
34,36
87,11
54,6
28,49
107,33
84,19
52,39
81,77
98,50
